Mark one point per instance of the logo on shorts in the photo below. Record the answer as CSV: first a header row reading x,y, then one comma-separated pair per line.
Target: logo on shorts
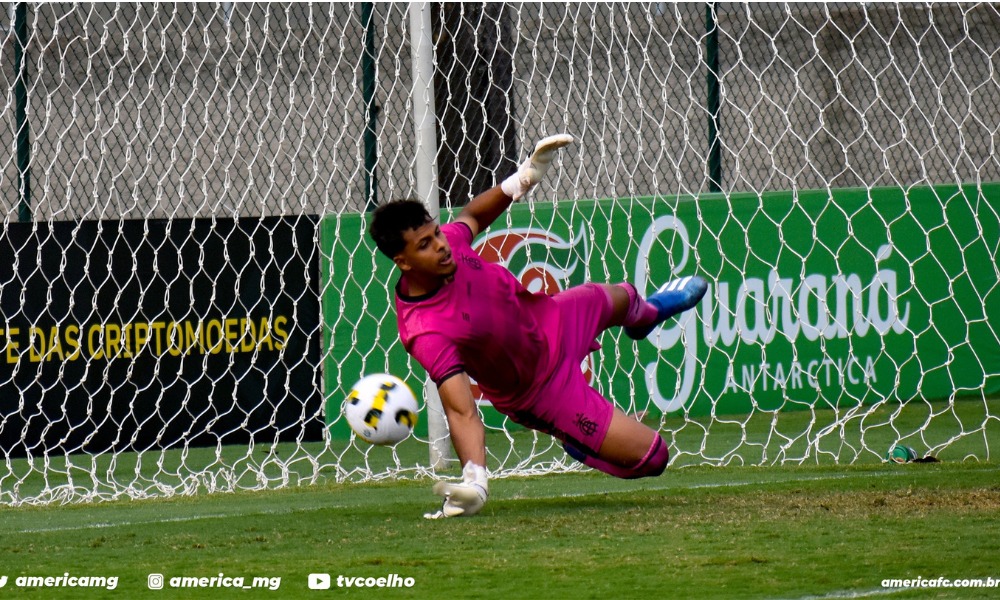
x,y
587,426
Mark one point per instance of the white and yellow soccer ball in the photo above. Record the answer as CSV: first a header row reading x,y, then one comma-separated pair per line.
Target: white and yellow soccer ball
x,y
381,409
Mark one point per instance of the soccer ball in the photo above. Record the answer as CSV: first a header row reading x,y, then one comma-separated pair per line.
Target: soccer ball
x,y
381,409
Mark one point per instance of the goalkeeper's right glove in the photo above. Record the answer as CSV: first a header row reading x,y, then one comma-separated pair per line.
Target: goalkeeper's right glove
x,y
462,499
532,170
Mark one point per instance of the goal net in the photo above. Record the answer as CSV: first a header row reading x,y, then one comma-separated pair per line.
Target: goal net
x,y
188,291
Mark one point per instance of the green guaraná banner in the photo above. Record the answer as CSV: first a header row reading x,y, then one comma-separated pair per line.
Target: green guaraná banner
x,y
817,298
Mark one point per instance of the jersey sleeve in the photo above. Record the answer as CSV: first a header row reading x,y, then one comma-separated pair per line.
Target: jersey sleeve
x,y
458,232
438,356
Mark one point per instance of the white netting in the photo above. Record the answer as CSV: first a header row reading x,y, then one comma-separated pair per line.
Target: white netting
x,y
186,286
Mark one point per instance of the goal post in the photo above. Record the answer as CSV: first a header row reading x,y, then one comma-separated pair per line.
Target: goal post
x,y
425,166
190,291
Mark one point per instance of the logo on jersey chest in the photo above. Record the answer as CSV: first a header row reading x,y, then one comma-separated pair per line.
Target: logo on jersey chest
x,y
471,261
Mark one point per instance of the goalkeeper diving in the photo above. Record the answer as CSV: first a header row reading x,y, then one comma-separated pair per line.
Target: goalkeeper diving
x,y
460,316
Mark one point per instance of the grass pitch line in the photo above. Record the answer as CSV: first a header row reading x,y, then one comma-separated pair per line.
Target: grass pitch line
x,y
735,484
851,594
237,515
660,488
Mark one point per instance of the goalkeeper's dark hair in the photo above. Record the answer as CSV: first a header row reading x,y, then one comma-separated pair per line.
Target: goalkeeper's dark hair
x,y
389,221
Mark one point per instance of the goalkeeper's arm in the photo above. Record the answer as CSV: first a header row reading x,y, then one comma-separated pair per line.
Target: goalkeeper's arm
x,y
468,435
467,432
486,207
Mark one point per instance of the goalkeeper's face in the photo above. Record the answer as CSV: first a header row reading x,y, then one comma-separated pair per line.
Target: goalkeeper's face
x,y
427,253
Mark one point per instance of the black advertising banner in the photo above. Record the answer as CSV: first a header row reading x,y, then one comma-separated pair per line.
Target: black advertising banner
x,y
132,335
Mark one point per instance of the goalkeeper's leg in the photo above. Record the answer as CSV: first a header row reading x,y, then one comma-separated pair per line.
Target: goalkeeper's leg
x,y
622,306
630,450
593,429
640,317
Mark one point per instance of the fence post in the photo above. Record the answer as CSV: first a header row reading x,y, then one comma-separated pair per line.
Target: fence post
x,y
368,67
21,112
712,59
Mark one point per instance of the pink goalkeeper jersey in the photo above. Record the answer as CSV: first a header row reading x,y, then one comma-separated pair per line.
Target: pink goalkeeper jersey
x,y
483,322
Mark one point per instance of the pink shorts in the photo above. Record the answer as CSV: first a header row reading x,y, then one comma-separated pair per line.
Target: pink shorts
x,y
564,405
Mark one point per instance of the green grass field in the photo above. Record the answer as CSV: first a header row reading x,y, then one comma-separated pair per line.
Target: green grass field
x,y
701,532
809,528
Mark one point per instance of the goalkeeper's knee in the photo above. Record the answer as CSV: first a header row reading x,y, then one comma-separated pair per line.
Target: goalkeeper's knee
x,y
655,461
651,465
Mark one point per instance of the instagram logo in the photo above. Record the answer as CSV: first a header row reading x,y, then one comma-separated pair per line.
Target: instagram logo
x,y
155,581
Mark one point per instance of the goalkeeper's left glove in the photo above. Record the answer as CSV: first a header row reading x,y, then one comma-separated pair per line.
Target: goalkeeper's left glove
x,y
462,499
532,170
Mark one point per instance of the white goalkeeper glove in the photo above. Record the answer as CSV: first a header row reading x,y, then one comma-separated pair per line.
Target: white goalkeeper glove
x,y
462,499
532,170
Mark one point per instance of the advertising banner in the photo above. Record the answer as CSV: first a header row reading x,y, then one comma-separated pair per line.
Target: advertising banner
x,y
131,335
817,298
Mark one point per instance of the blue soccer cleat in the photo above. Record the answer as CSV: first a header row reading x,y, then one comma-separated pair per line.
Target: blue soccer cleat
x,y
672,299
